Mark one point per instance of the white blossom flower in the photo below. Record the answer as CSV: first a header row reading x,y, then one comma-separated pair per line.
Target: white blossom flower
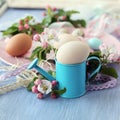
x,y
113,57
45,87
104,49
109,53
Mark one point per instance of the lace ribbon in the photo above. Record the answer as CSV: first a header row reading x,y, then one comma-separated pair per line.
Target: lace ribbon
x,y
15,72
23,80
102,81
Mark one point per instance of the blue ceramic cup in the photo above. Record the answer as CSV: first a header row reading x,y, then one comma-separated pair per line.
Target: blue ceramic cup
x,y
73,78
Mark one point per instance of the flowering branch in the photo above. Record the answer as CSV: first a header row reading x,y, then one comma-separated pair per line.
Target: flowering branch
x,y
54,15
107,55
43,87
29,26
26,25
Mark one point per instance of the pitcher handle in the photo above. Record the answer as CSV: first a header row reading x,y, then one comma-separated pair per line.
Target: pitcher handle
x,y
97,69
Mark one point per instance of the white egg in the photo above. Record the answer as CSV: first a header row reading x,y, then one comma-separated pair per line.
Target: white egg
x,y
73,52
78,32
57,25
64,38
94,43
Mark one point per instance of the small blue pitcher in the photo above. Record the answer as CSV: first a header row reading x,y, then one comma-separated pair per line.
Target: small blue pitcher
x,y
69,76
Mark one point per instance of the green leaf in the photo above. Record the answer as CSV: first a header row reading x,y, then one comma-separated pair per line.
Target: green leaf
x,y
38,28
15,25
82,22
37,49
78,23
42,77
29,87
35,52
10,31
60,92
71,12
43,54
50,72
96,53
49,12
46,21
53,73
109,71
61,12
29,17
38,56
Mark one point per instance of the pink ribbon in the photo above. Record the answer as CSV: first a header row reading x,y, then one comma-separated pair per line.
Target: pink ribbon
x,y
96,27
9,74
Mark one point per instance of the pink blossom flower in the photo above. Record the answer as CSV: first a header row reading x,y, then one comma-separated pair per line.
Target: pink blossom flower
x,y
34,89
39,95
20,27
105,50
116,57
44,14
43,33
26,20
102,47
37,82
48,7
118,60
113,57
62,18
53,95
20,22
54,8
54,83
36,37
26,26
44,44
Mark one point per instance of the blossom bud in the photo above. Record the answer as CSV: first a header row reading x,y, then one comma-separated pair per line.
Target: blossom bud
x,y
36,37
20,28
39,95
34,89
26,26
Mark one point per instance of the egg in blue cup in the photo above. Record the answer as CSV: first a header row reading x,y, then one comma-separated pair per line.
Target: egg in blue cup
x,y
71,61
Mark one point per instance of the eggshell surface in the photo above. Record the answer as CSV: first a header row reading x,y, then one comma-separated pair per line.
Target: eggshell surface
x,y
77,32
94,43
73,52
64,38
19,44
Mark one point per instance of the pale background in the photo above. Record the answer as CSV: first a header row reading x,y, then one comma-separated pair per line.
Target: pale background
x,y
104,4
60,3
23,105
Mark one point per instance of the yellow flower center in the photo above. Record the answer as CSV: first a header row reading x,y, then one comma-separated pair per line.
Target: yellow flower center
x,y
44,87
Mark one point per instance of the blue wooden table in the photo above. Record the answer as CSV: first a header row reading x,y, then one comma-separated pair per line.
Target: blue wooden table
x,y
23,105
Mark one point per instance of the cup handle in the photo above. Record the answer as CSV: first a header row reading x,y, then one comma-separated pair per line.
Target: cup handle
x,y
97,69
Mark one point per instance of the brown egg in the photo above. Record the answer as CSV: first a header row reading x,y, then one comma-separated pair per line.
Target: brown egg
x,y
19,44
